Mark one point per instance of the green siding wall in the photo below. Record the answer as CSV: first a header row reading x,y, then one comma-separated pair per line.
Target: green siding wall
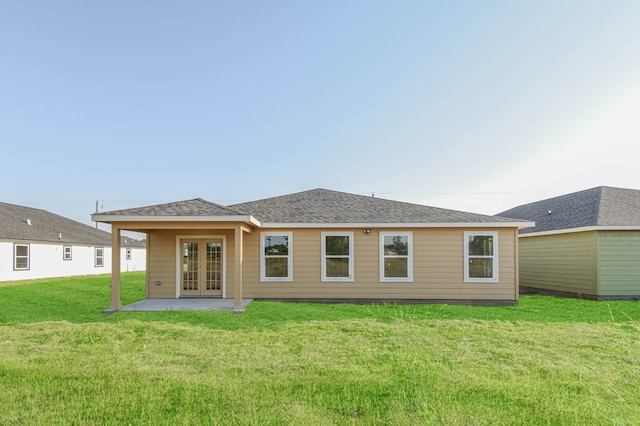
x,y
563,262
619,263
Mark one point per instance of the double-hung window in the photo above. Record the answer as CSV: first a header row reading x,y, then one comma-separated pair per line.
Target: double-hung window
x,y
99,256
21,257
337,256
276,256
66,253
481,257
396,256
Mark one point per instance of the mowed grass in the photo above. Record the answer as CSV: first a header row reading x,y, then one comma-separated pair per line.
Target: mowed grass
x,y
546,361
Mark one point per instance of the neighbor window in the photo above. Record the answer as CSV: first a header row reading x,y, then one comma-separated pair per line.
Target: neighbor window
x,y
337,256
276,256
481,256
128,254
66,253
21,257
99,256
396,256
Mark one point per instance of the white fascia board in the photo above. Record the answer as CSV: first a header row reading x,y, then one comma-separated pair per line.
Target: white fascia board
x,y
121,218
401,225
582,229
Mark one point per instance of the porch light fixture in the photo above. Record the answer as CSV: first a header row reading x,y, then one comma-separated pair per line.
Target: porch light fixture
x,y
367,231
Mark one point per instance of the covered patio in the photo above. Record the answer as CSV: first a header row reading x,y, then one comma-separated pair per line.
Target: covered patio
x,y
184,304
194,251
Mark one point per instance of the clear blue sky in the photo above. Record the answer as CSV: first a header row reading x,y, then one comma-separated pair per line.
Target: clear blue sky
x,y
469,105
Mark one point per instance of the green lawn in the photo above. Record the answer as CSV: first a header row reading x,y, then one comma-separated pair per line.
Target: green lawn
x,y
546,361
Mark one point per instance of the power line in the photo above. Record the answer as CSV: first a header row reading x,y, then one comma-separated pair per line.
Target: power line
x,y
375,193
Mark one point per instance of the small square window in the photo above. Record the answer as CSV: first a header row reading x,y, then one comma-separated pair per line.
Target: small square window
x,y
99,257
66,253
21,257
128,254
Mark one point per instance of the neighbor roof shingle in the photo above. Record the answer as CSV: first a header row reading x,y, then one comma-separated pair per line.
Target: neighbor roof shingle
x,y
600,206
48,227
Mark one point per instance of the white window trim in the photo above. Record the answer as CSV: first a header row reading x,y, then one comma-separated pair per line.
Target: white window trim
x,y
64,253
495,257
263,265
15,257
409,257
95,261
324,236
127,253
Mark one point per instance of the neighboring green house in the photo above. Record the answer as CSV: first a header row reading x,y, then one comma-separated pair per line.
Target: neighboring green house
x,y
585,243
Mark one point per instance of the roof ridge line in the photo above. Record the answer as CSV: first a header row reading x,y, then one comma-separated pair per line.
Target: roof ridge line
x,y
598,204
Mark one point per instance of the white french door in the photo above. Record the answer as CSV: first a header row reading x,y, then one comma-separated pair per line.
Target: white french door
x,y
201,267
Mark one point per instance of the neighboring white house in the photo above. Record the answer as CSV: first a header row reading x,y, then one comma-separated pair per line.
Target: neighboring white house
x,y
35,243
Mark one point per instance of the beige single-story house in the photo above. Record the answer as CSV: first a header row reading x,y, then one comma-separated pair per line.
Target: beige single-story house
x,y
322,245
585,244
35,244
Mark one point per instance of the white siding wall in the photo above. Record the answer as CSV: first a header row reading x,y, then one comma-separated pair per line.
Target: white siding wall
x,y
46,261
138,260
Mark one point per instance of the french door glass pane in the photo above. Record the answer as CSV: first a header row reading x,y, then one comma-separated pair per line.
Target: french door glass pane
x,y
190,266
214,264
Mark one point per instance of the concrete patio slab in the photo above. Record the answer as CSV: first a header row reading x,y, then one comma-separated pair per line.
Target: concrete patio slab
x,y
186,304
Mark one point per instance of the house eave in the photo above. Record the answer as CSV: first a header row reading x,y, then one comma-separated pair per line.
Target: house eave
x,y
401,225
581,229
121,218
272,225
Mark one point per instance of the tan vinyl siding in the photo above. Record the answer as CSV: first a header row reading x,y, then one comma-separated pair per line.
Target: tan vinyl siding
x,y
563,262
438,268
619,263
162,265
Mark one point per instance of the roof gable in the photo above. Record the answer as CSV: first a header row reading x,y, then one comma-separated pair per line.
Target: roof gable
x,y
322,206
600,206
193,207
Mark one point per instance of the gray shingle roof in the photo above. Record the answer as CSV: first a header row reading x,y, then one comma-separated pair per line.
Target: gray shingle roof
x,y
325,206
47,227
600,206
194,207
